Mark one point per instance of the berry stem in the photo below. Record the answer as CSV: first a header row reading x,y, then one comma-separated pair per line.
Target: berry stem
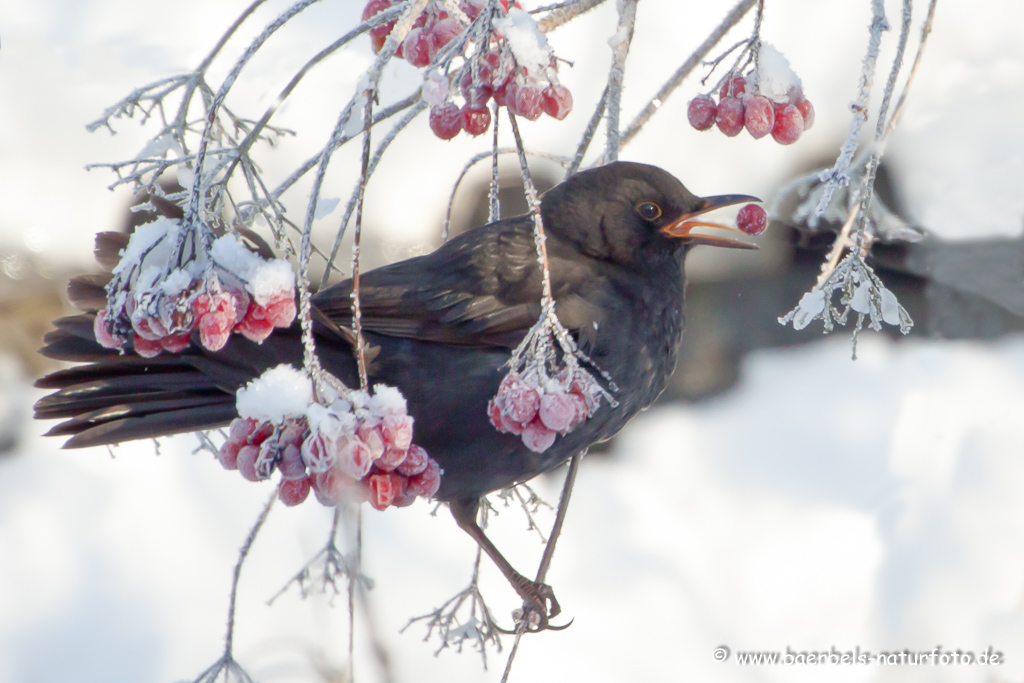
x,y
357,314
620,50
692,62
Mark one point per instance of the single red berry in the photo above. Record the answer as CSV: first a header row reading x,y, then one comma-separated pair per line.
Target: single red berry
x,y
374,440
415,461
246,462
521,402
729,116
378,34
529,102
101,329
557,101
502,422
752,219
537,437
405,498
261,433
445,31
759,116
733,87
384,488
475,120
397,431
354,459
214,330
291,492
294,432
391,458
807,111
228,454
291,464
330,486
557,411
175,343
146,348
446,121
419,48
280,310
255,329
701,112
241,428
789,124
426,482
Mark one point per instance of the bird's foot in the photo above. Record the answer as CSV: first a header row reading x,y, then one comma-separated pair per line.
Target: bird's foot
x,y
539,605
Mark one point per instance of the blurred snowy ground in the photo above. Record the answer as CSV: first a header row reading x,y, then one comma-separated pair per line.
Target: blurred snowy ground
x,y
821,503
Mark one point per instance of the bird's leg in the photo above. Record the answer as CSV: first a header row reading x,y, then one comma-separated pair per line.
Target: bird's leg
x,y
537,595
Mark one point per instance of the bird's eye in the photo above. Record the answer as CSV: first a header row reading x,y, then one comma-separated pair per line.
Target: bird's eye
x,y
648,211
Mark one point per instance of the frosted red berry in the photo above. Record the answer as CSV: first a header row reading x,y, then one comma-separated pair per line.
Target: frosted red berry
x,y
701,112
446,120
729,116
426,482
384,488
557,411
445,31
292,492
733,87
416,460
475,119
418,47
557,101
528,103
228,454
789,124
101,330
537,437
246,462
146,348
175,343
752,219
758,116
807,111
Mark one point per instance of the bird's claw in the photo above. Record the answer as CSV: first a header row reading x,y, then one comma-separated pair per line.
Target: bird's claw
x,y
539,605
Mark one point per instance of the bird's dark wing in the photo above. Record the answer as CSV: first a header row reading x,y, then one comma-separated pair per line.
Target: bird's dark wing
x,y
480,289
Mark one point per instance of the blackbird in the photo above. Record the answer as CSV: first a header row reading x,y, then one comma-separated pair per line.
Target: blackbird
x,y
441,328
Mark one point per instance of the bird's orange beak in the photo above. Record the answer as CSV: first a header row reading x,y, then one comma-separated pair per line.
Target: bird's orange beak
x,y
682,226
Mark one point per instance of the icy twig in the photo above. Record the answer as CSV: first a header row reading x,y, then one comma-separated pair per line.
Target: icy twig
x,y
620,43
376,20
588,134
549,553
715,37
476,159
321,575
463,618
563,12
926,30
227,663
838,175
357,321
357,192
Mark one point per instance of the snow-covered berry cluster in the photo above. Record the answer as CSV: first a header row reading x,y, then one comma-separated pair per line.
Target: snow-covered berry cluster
x,y
537,411
752,219
768,99
357,448
512,64
155,307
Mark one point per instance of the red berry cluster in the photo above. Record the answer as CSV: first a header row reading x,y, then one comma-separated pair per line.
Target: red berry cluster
x,y
372,458
738,109
536,414
244,294
492,71
752,219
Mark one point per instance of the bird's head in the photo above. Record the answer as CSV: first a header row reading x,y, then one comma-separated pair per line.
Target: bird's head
x,y
623,211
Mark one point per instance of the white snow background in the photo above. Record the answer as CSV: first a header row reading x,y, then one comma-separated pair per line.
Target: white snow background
x,y
820,503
